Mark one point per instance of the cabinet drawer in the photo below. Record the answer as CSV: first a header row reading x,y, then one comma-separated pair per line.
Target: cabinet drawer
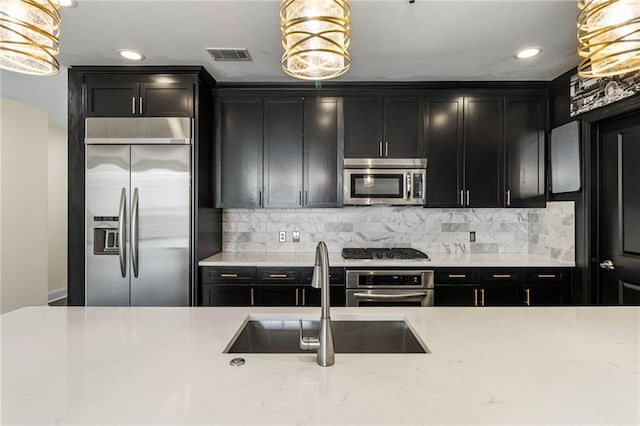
x,y
228,275
546,275
450,276
491,276
278,275
336,276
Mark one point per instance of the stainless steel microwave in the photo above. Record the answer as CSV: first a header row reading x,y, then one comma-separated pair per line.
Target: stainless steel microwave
x,y
384,181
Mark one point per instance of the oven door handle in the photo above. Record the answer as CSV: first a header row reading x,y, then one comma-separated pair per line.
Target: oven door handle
x,y
390,296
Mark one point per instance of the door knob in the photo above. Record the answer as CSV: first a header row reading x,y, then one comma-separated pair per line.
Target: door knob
x,y
608,265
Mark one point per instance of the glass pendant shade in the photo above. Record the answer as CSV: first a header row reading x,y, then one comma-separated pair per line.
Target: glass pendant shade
x,y
315,38
29,36
609,37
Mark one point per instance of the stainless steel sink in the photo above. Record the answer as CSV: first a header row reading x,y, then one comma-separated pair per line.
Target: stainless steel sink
x,y
282,336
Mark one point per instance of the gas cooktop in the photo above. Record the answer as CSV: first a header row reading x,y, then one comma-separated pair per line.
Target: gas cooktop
x,y
383,253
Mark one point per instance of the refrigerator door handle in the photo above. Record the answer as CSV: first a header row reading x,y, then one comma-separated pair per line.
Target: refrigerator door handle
x,y
134,233
122,247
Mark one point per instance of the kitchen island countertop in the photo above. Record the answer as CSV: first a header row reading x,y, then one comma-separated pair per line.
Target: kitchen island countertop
x,y
566,365
227,258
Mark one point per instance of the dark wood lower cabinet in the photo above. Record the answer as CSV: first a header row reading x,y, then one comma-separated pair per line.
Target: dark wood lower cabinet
x,y
227,295
470,295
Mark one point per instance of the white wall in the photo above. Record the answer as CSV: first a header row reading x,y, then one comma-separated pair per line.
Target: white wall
x,y
57,211
24,135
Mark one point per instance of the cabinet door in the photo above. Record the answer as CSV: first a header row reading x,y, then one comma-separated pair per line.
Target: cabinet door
x,y
403,129
112,99
549,294
484,153
524,145
312,297
498,295
239,153
166,100
455,295
283,153
217,295
277,296
322,148
363,128
444,152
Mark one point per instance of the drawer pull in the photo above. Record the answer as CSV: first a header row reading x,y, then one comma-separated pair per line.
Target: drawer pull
x,y
482,297
475,297
278,276
253,299
528,293
501,275
297,297
229,275
547,276
457,275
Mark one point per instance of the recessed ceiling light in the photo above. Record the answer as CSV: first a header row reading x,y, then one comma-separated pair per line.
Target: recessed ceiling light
x,y
132,55
68,3
527,53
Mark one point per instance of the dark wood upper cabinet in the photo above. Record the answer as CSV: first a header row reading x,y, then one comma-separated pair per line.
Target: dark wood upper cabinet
x,y
363,127
279,152
283,152
483,152
403,130
322,152
112,99
377,127
443,121
239,137
135,99
166,100
524,136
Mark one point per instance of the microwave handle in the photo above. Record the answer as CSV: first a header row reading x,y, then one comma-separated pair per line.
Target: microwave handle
x,y
408,186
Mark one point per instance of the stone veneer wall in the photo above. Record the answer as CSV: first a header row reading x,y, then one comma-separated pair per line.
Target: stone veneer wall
x,y
548,231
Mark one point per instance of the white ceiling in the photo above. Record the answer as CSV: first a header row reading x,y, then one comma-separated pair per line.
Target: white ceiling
x,y
392,40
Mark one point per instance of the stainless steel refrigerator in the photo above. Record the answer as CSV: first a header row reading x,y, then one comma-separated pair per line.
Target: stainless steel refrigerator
x,y
138,211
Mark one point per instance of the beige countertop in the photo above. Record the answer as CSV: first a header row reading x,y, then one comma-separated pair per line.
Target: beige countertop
x,y
566,365
335,259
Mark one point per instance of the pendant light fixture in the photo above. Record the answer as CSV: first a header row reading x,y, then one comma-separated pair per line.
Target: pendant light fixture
x,y
315,38
609,37
29,36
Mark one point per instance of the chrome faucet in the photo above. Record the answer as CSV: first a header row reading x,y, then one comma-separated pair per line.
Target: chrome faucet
x,y
323,344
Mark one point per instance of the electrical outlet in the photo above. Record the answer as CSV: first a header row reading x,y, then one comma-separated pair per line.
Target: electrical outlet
x,y
282,236
472,236
296,236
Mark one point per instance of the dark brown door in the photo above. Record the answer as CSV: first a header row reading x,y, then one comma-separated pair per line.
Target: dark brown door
x,y
620,212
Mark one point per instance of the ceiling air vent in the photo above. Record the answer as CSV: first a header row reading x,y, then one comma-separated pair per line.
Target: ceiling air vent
x,y
229,54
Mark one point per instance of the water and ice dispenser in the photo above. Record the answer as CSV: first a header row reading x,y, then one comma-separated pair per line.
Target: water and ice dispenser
x,y
105,235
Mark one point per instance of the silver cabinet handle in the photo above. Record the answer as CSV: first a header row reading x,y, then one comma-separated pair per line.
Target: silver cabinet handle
x,y
134,233
306,198
607,265
253,299
140,105
278,275
468,198
304,297
380,149
297,296
501,275
228,275
462,198
528,293
133,105
383,296
386,149
547,276
475,297
301,199
482,297
122,245
457,275
508,197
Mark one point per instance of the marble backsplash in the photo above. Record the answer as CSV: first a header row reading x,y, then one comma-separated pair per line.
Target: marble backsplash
x,y
546,231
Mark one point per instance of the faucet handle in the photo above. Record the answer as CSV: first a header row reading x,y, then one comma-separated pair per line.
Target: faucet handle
x,y
308,343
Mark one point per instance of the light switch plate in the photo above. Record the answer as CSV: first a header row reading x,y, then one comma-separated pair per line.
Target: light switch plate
x,y
296,236
282,236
